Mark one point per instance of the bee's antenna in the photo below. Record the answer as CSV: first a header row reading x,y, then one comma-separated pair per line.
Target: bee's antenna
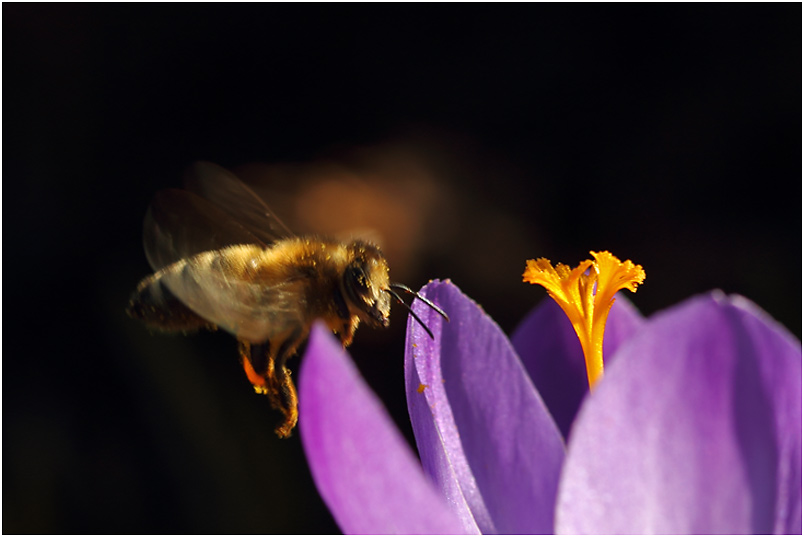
x,y
399,299
420,297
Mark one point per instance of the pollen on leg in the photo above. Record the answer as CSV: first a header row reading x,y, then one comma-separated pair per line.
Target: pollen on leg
x,y
258,381
586,294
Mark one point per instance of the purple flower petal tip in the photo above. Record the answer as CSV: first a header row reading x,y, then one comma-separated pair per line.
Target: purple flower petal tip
x,y
484,434
363,468
704,408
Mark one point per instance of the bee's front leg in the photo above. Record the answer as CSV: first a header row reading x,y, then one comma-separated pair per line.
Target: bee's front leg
x,y
347,332
343,323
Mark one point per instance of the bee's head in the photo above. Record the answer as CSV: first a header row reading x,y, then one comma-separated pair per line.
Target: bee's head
x,y
365,282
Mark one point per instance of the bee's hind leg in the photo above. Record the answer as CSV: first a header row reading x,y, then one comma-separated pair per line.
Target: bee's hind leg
x,y
255,359
269,375
283,391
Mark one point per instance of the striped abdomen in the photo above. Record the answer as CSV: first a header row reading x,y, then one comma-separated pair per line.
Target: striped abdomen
x,y
154,304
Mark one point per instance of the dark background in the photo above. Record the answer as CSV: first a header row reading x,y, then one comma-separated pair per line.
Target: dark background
x,y
668,134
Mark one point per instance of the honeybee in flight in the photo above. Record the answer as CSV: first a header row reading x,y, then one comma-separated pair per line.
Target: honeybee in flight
x,y
224,260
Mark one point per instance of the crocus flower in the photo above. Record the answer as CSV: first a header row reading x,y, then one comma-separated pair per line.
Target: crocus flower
x,y
695,427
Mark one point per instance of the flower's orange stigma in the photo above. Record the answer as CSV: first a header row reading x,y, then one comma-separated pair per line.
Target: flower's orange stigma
x,y
586,294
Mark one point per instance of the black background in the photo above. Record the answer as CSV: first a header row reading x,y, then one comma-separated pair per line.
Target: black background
x,y
668,134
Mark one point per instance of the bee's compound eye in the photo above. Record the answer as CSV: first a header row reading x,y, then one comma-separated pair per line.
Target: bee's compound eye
x,y
356,285
356,277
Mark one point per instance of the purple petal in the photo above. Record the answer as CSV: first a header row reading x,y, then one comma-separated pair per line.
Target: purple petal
x,y
551,352
779,372
696,428
483,432
365,471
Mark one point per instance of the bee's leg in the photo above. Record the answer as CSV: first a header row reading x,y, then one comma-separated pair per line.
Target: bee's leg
x,y
350,322
255,361
348,331
269,376
282,392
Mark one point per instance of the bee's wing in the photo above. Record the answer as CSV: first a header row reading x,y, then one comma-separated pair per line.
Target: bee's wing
x,y
229,193
190,234
255,312
180,224
216,210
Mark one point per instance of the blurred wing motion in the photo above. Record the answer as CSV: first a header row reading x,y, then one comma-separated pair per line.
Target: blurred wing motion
x,y
225,190
217,210
206,244
180,225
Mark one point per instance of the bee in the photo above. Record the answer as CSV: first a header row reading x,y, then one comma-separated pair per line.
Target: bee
x,y
223,260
